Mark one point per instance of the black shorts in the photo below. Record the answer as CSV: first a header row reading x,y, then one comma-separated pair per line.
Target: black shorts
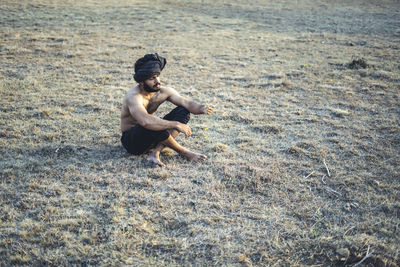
x,y
138,139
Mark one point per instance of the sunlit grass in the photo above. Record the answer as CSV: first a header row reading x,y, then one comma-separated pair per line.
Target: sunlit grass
x,y
302,149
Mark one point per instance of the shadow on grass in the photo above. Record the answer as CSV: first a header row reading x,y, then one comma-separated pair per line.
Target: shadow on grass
x,y
37,159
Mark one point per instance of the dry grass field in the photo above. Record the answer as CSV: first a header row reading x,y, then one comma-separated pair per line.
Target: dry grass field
x,y
303,146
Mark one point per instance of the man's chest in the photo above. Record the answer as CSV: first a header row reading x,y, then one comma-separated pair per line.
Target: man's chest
x,y
154,102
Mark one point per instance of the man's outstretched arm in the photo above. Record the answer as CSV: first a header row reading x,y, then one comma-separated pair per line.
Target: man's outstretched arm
x,y
191,105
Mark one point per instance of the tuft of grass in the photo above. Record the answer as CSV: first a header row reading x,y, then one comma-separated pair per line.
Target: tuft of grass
x,y
219,147
358,64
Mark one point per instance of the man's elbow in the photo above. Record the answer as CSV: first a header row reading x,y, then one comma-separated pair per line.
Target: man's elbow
x,y
144,123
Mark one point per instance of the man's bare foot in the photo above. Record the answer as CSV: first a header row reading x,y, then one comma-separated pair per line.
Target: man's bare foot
x,y
195,157
155,159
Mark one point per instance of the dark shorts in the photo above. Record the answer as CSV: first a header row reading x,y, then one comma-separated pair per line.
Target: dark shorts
x,y
138,139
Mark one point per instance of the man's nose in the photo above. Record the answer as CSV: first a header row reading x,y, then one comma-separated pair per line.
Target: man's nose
x,y
157,79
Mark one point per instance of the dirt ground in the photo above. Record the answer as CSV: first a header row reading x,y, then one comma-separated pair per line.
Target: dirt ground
x,y
303,147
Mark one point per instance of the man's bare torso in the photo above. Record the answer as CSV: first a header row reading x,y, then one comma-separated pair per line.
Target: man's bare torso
x,y
150,102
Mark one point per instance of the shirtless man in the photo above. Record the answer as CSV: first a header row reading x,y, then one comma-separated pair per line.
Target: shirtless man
x,y
141,130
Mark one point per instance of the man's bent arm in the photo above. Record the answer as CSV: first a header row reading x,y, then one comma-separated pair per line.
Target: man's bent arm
x,y
139,113
151,122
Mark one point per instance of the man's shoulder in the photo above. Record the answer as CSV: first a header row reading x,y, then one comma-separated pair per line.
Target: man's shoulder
x,y
168,90
132,94
133,91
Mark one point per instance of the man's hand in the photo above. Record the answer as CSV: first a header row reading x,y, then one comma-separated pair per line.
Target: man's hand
x,y
183,128
208,108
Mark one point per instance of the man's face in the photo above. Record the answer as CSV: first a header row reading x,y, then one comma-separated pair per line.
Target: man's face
x,y
152,84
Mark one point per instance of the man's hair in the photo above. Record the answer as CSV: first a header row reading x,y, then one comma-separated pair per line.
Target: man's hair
x,y
141,61
147,66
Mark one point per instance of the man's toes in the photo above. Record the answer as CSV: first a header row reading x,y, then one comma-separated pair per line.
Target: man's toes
x,y
201,157
161,164
156,161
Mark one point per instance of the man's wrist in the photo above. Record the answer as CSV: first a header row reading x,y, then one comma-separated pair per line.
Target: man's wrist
x,y
175,124
204,108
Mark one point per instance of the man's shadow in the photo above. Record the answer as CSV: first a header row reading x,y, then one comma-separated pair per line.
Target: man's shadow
x,y
49,157
63,154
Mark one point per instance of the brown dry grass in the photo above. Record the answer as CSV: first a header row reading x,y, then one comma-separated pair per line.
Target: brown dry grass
x,y
303,146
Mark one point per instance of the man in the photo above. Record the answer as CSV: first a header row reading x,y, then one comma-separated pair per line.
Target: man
x,y
141,130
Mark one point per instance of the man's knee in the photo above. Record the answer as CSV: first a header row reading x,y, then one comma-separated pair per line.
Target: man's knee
x,y
180,114
183,115
182,110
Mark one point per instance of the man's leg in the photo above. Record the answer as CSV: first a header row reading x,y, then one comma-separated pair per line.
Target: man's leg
x,y
170,142
154,156
192,156
177,114
138,140
182,115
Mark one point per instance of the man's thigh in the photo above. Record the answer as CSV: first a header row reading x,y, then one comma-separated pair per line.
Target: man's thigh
x,y
180,114
137,140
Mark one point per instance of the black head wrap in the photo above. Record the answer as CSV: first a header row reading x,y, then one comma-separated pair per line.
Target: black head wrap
x,y
147,66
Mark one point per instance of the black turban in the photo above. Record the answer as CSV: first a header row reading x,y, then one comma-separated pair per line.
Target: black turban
x,y
147,66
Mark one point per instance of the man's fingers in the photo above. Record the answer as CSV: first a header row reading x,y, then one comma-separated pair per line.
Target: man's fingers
x,y
209,107
213,103
188,131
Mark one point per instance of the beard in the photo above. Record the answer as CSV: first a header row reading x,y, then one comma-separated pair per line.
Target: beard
x,y
150,89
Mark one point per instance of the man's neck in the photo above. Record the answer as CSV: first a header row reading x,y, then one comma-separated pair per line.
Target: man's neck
x,y
145,93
